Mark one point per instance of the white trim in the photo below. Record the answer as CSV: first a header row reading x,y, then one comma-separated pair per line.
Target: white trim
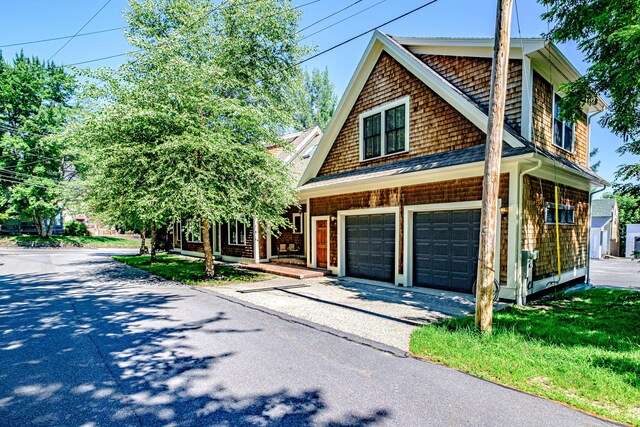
x,y
567,276
179,232
307,235
512,232
256,241
229,258
192,253
293,222
382,110
398,278
269,245
237,221
304,144
527,99
314,247
408,232
379,43
218,237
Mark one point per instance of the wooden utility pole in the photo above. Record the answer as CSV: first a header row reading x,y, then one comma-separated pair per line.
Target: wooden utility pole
x,y
491,183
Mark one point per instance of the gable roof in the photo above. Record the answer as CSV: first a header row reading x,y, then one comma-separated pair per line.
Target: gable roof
x,y
303,144
442,87
602,207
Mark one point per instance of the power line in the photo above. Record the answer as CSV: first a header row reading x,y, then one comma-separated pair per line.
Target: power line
x,y
140,50
63,37
365,32
342,20
329,16
81,28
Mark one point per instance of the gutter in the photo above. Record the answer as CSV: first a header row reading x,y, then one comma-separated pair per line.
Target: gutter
x,y
520,291
591,194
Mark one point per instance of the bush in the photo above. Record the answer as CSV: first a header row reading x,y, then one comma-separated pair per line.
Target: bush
x,y
76,228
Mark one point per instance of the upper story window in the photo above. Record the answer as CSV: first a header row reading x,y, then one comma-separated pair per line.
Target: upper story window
x,y
385,130
237,233
563,134
566,214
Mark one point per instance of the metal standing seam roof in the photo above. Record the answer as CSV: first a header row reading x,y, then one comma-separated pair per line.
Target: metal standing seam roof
x,y
599,221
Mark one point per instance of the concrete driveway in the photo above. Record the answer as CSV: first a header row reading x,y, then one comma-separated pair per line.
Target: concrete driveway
x,y
378,312
619,273
86,341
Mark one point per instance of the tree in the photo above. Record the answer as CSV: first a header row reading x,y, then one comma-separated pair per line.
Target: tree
x,y
316,100
594,165
180,130
34,105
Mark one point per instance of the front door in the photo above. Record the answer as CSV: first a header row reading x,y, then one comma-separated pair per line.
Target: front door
x,y
321,243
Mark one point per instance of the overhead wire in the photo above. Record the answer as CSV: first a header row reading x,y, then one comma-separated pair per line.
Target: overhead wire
x,y
329,16
81,28
342,20
62,37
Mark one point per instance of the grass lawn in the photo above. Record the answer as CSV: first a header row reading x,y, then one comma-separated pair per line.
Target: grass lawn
x,y
191,271
89,241
581,348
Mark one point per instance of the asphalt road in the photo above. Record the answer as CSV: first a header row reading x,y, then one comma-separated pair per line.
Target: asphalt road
x,y
86,341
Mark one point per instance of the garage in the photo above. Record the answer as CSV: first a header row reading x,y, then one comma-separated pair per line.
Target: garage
x,y
370,244
445,249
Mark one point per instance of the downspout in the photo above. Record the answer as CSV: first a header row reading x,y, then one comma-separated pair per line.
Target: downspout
x,y
520,291
591,194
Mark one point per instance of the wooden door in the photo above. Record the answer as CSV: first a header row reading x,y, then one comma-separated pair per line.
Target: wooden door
x,y
321,243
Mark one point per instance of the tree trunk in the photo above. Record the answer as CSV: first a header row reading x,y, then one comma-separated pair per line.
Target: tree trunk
x,y
154,241
143,242
491,182
209,265
52,222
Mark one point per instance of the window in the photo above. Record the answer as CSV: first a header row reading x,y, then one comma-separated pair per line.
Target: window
x,y
193,232
179,231
566,214
384,130
298,224
562,131
237,233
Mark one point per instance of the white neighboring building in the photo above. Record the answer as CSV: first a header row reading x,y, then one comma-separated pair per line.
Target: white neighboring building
x,y
633,240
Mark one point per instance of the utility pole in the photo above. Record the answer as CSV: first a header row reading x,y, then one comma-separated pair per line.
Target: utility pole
x,y
491,183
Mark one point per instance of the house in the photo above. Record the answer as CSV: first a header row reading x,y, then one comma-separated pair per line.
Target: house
x,y
240,242
605,224
394,190
632,248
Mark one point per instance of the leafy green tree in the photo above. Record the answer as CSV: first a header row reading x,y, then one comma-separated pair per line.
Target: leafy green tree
x,y
316,100
594,165
180,130
34,105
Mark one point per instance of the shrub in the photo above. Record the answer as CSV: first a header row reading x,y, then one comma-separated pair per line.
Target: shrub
x,y
76,228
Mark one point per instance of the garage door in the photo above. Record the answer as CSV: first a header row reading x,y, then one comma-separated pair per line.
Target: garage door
x,y
445,249
370,246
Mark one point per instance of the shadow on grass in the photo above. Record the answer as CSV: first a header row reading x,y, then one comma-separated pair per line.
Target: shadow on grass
x,y
603,318
190,271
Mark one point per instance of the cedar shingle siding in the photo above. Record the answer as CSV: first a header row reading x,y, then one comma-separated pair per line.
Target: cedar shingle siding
x,y
434,125
538,235
473,77
542,120
458,190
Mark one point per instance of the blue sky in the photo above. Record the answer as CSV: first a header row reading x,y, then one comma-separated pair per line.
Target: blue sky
x,y
28,20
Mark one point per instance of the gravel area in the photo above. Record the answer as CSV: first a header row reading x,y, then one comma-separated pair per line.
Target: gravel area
x,y
377,312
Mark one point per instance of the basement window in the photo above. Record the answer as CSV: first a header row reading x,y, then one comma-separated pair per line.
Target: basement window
x,y
563,132
384,130
566,214
237,233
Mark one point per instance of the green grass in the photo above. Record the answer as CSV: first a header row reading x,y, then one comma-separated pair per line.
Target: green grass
x,y
89,241
582,349
191,271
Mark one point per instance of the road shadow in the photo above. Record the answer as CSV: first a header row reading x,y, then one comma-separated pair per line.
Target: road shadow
x,y
87,351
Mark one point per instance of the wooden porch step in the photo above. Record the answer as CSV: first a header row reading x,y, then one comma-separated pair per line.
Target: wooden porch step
x,y
287,270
